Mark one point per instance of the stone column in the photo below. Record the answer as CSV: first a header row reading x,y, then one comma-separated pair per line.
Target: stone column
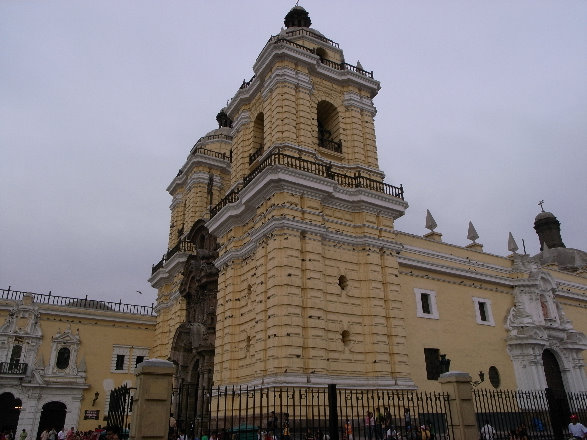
x,y
152,400
458,387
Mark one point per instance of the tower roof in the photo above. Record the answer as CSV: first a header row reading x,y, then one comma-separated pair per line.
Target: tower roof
x,y
297,17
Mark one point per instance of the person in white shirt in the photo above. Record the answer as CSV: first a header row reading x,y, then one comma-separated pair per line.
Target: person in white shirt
x,y
61,434
576,429
487,432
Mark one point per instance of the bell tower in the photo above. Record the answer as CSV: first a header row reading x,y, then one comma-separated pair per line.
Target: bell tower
x,y
308,286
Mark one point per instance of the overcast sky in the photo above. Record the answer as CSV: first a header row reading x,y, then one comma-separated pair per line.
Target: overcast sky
x,y
482,114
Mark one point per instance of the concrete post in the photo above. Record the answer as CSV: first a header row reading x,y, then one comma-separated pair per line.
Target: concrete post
x,y
458,387
152,400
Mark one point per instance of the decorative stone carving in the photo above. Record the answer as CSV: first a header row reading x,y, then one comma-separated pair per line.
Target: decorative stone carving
x,y
536,323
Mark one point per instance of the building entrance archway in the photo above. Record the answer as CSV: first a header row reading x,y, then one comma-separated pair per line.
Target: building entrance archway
x,y
10,411
552,372
52,416
555,392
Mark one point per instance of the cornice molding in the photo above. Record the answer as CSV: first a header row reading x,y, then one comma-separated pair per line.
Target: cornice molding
x,y
287,75
169,269
353,99
161,305
274,224
243,118
275,52
323,380
451,270
277,178
53,310
192,161
176,200
455,259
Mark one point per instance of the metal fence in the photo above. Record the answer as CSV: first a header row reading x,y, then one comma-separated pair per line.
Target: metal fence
x,y
541,414
119,410
249,413
84,303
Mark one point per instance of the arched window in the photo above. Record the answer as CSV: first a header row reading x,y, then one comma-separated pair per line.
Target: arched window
x,y
321,53
328,126
258,138
63,356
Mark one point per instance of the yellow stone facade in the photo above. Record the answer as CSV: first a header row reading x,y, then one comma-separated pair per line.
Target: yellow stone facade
x,y
64,350
312,283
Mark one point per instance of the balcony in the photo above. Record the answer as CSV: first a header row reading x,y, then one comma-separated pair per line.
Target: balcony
x,y
255,154
13,368
181,246
355,180
329,144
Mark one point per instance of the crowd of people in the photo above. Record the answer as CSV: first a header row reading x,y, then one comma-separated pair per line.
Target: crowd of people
x,y
375,426
488,432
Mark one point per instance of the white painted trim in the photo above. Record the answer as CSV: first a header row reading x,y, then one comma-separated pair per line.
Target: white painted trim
x,y
323,380
243,118
353,99
192,162
287,75
278,223
433,306
488,311
284,179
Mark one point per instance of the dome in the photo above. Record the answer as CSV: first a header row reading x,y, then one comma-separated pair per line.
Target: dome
x,y
297,17
222,130
544,214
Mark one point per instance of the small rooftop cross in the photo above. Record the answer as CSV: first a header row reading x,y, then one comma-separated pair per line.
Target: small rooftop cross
x,y
541,202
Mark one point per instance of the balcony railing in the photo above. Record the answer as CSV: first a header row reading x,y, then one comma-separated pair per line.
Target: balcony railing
x,y
15,368
55,300
181,246
246,84
309,166
255,154
346,66
329,144
297,32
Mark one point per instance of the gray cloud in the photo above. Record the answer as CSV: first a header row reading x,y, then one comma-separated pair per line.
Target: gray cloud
x,y
481,115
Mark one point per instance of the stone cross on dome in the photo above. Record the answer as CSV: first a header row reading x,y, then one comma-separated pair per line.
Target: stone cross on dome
x,y
541,202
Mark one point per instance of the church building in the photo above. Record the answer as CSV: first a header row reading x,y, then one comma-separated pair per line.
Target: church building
x,y
286,264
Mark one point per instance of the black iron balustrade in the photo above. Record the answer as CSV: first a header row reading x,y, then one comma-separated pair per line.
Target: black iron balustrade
x,y
255,154
86,303
313,167
206,152
329,144
345,66
180,246
297,413
16,368
293,44
119,410
313,35
158,265
246,84
356,69
231,197
545,414
212,137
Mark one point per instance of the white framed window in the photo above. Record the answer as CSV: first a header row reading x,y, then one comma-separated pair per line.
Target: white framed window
x,y
426,304
120,359
139,354
483,313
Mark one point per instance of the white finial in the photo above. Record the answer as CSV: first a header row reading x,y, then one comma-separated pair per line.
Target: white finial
x,y
430,222
472,234
359,66
512,245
